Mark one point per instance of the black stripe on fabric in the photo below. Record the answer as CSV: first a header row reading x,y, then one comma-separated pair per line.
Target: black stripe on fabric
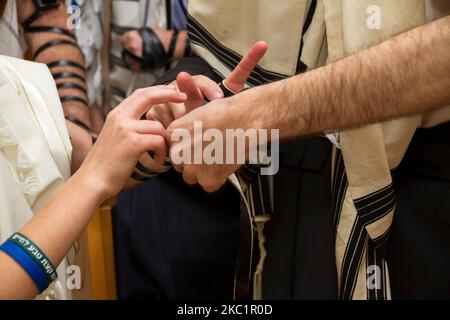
x,y
363,201
374,258
371,208
301,67
371,294
340,185
201,37
352,260
381,240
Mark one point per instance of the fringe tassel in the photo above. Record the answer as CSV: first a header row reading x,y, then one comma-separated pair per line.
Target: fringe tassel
x,y
260,221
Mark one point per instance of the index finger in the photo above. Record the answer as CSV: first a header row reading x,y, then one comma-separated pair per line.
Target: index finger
x,y
143,99
236,80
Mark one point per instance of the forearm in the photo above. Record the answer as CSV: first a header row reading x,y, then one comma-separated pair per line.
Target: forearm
x,y
58,18
402,76
54,229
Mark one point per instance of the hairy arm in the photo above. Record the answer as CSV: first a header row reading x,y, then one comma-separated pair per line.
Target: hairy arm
x,y
405,75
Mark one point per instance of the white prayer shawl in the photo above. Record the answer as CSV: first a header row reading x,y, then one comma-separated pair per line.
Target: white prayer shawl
x,y
35,150
362,179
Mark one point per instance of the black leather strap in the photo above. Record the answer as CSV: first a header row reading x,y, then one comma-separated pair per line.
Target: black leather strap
x,y
53,43
40,29
78,123
154,56
127,54
144,169
41,7
172,44
67,74
70,85
226,92
65,63
73,99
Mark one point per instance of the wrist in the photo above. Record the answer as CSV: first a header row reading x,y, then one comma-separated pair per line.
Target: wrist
x,y
93,186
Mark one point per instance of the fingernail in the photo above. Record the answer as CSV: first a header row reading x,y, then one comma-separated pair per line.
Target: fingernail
x,y
171,86
216,95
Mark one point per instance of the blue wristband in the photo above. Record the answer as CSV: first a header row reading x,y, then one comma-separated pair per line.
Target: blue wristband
x,y
27,263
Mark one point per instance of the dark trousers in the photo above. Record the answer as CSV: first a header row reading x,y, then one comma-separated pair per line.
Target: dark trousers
x,y
300,236
419,246
173,241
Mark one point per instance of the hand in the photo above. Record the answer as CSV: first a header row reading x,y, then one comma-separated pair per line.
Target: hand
x,y
132,41
198,88
219,114
125,137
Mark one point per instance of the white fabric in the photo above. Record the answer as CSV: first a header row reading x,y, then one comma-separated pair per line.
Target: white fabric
x,y
35,149
11,34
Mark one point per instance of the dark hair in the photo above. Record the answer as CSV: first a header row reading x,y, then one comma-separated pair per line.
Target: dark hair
x,y
2,7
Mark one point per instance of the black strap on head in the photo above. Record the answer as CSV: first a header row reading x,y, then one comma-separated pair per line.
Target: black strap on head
x,y
41,6
57,30
52,43
153,54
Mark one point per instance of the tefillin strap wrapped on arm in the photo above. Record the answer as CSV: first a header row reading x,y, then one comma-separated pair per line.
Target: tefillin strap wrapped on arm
x,y
67,38
154,56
